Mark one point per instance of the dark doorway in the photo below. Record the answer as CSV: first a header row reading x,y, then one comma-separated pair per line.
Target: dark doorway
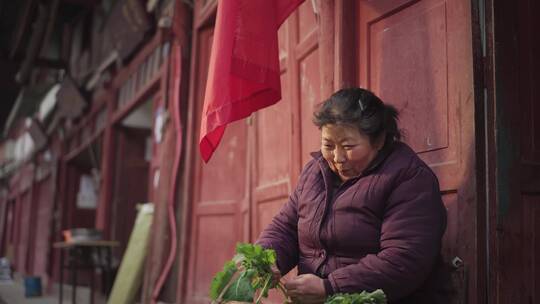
x,y
131,166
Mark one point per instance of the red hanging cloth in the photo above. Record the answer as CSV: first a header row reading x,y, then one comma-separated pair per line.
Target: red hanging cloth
x,y
243,76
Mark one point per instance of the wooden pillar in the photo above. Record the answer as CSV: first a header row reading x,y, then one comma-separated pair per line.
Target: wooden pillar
x,y
345,42
325,13
107,172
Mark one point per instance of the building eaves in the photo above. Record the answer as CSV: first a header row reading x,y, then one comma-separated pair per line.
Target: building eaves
x,y
26,105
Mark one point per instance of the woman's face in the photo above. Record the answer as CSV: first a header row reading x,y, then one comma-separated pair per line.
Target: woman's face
x,y
347,151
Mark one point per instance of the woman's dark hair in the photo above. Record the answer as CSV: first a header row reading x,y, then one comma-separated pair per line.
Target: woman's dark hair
x,y
363,109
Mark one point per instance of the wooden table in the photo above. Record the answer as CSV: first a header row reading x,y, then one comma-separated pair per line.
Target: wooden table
x,y
80,256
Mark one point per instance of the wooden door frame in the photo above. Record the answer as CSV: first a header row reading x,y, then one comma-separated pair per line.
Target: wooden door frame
x,y
4,225
501,73
494,79
50,259
25,256
483,46
203,17
35,204
484,141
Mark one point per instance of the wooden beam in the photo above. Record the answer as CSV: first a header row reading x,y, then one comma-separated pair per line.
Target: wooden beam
x,y
34,44
22,25
53,12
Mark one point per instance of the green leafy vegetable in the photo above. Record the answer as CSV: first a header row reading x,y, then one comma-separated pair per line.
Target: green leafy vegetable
x,y
241,289
247,277
222,278
376,297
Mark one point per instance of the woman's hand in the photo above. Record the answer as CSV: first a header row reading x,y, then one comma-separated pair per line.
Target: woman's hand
x,y
306,289
276,275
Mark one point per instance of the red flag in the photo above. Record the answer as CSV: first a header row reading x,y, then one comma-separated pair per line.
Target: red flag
x,y
243,76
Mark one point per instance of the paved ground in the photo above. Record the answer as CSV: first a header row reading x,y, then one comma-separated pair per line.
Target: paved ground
x,y
13,293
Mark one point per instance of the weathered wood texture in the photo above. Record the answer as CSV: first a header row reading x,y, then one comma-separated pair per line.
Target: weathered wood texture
x,y
514,209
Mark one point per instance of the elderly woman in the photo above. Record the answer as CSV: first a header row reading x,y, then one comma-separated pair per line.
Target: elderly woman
x,y
367,212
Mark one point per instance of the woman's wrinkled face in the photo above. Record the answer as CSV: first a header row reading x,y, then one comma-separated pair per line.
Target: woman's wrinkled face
x,y
347,151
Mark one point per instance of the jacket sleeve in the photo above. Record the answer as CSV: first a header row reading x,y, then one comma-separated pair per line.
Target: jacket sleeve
x,y
282,233
411,232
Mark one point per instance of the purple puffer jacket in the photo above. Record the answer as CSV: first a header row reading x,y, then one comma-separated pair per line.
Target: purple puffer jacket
x,y
382,229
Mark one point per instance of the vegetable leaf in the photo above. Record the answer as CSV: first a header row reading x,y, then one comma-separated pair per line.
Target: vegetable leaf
x,y
249,271
249,274
241,289
221,279
375,297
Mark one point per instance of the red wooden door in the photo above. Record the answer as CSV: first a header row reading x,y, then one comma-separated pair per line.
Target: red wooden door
x,y
130,183
220,201
258,162
7,240
43,223
417,55
16,234
4,209
515,150
306,91
33,230
75,217
284,134
25,227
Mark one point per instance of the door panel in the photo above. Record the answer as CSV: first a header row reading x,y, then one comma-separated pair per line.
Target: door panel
x,y
406,62
272,159
130,183
284,132
17,227
214,245
220,202
7,241
75,217
43,226
515,214
273,141
417,56
4,208
272,145
419,65
309,78
218,220
307,22
229,159
308,83
24,229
